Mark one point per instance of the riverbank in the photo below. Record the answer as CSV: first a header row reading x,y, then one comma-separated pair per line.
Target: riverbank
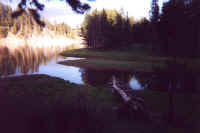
x,y
41,103
105,64
131,53
133,58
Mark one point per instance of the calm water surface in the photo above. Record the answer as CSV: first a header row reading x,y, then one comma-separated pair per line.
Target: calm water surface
x,y
75,74
31,62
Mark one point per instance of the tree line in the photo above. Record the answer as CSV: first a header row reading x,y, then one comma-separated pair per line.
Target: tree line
x,y
112,29
107,29
25,24
178,28
172,31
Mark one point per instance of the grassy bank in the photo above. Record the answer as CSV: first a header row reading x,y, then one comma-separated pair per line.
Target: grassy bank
x,y
40,103
101,64
131,53
52,89
134,58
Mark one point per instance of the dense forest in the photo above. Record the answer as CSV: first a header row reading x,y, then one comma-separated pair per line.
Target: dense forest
x,y
178,28
25,25
110,28
172,31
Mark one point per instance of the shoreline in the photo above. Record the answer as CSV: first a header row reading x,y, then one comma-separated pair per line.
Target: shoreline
x,y
124,60
100,64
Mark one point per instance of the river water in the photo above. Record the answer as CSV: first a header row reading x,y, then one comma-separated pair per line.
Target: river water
x,y
26,62
73,74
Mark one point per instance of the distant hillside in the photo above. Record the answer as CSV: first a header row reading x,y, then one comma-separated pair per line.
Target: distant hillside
x,y
25,25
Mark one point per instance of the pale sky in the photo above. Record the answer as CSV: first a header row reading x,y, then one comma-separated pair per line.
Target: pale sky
x,y
59,11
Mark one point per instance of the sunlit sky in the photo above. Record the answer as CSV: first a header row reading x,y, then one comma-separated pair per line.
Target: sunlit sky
x,y
58,11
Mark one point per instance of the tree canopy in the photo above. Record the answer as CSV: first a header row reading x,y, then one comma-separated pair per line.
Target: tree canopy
x,y
33,6
179,28
107,29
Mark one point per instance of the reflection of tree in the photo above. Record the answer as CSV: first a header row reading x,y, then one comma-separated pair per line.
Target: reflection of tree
x,y
96,78
144,78
160,80
101,78
24,57
179,80
182,80
123,77
6,62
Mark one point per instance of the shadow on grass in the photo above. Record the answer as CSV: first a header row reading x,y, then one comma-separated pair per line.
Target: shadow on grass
x,y
42,104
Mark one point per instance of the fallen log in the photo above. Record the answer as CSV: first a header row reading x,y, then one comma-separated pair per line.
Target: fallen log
x,y
124,96
135,102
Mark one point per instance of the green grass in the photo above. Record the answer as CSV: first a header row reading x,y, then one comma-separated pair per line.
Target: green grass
x,y
131,53
132,58
186,108
136,57
41,94
158,101
53,89
101,64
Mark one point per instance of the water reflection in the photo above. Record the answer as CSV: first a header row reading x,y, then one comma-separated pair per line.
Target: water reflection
x,y
69,73
32,60
24,60
185,81
28,60
140,81
102,78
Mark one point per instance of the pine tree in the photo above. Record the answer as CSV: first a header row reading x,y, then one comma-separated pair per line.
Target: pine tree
x,y
154,13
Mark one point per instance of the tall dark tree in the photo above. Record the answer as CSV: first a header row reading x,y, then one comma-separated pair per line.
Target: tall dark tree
x,y
154,17
179,32
154,13
176,29
193,15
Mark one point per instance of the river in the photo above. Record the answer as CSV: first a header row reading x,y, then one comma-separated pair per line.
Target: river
x,y
28,61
